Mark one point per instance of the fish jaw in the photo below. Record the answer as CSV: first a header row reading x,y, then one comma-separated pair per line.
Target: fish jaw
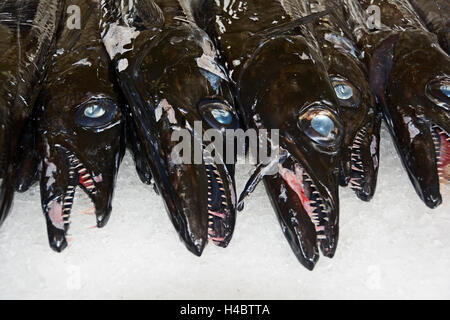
x,y
414,140
62,173
361,160
295,222
307,209
199,205
200,198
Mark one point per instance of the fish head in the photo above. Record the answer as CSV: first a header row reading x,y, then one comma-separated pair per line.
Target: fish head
x,y
81,145
417,108
285,87
361,119
188,93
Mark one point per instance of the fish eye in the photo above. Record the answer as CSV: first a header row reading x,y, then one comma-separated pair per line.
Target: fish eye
x,y
438,91
445,88
222,116
321,125
343,91
347,93
218,114
96,113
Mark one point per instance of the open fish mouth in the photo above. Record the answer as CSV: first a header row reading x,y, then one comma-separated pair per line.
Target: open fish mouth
x,y
221,208
314,204
59,209
441,141
219,229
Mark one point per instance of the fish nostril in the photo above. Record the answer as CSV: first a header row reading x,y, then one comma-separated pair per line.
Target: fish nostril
x,y
94,111
343,91
323,125
445,88
222,116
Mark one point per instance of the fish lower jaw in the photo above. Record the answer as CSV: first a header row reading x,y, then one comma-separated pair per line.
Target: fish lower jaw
x,y
307,192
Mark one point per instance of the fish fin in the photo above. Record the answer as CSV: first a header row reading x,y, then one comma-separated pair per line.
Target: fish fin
x,y
291,25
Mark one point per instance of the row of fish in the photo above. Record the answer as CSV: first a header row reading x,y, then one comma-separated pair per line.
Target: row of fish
x,y
84,79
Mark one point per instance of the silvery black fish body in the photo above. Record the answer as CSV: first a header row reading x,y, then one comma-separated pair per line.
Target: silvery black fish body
x,y
81,128
282,84
27,32
168,70
410,76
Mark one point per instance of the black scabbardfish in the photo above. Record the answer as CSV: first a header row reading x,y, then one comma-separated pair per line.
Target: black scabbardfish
x,y
168,70
349,76
410,76
282,84
436,14
27,33
81,133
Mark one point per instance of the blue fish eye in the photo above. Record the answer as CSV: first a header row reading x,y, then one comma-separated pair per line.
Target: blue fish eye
x,y
222,116
323,124
343,91
445,88
94,111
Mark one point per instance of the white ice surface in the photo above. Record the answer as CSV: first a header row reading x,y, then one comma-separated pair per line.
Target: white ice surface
x,y
393,247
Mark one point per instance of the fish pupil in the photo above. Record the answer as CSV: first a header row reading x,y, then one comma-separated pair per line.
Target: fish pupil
x,y
343,91
445,88
222,116
94,111
323,125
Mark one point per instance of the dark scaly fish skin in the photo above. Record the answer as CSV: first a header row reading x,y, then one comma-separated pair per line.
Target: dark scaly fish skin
x,y
436,14
81,127
408,69
360,149
280,77
27,33
168,72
